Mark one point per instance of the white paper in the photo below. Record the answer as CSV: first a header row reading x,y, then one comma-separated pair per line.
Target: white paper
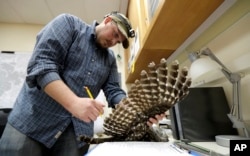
x,y
98,125
136,149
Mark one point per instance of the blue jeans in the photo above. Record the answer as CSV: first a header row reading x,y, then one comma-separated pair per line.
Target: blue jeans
x,y
14,143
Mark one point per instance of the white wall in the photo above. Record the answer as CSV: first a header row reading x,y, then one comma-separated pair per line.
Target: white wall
x,y
118,50
18,37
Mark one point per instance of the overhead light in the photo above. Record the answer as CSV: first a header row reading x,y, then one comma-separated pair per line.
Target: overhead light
x,y
204,66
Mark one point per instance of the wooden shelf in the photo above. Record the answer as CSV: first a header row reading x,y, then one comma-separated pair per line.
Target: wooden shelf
x,y
173,22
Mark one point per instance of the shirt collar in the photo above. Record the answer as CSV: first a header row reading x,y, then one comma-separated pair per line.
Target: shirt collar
x,y
93,33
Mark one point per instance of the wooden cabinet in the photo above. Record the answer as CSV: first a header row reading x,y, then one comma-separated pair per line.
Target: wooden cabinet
x,y
173,22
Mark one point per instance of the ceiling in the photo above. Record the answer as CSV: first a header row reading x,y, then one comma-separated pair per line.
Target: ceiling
x,y
42,11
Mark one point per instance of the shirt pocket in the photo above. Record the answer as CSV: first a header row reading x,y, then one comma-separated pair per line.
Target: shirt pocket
x,y
97,76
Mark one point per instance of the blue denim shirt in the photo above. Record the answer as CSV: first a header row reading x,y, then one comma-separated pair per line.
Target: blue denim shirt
x,y
66,50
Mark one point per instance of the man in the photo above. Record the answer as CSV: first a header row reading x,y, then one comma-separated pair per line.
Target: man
x,y
53,109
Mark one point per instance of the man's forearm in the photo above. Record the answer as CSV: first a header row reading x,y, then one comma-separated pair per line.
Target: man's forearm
x,y
61,93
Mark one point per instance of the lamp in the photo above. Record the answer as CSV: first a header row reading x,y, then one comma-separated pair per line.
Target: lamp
x,y
201,66
202,69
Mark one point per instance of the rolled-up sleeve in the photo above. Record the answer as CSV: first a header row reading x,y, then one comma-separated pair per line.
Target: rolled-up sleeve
x,y
53,42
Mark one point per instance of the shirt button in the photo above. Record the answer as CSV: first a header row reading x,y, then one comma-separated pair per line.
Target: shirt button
x,y
93,60
89,73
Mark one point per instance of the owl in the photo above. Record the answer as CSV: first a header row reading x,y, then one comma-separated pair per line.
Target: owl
x,y
158,89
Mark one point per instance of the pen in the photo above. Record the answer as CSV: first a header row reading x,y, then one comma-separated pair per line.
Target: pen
x,y
176,148
181,147
90,94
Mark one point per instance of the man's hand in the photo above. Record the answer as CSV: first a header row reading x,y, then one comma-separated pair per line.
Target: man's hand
x,y
87,109
155,120
151,121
